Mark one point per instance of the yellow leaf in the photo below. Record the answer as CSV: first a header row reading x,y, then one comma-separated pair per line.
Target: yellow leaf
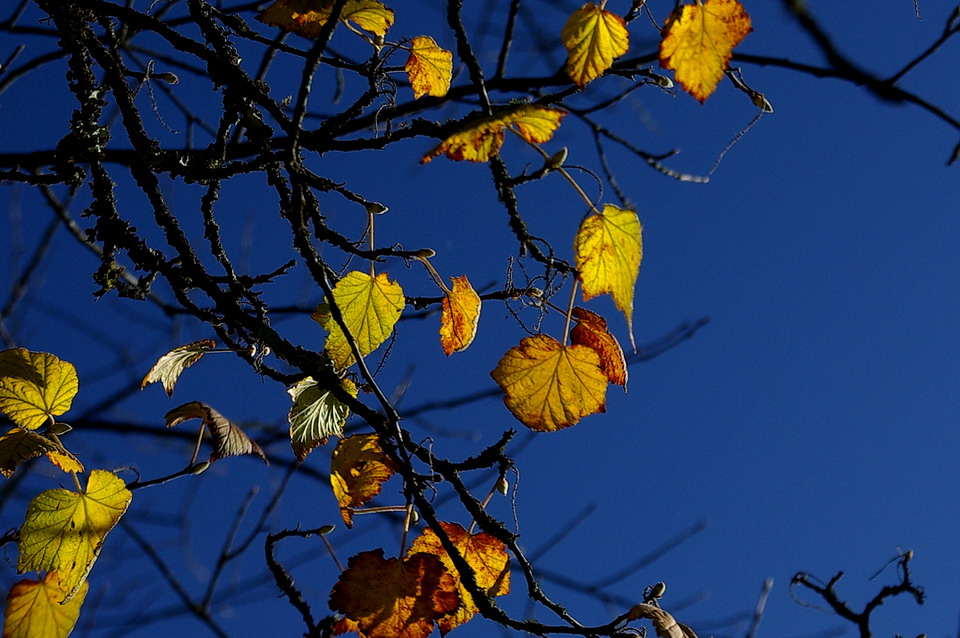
x,y
483,138
357,472
228,439
593,38
608,250
34,611
591,330
170,366
461,313
64,531
35,386
19,445
316,414
307,17
698,42
429,67
548,386
370,307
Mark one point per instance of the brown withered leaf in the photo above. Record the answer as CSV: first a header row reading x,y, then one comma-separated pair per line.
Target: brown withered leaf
x,y
228,439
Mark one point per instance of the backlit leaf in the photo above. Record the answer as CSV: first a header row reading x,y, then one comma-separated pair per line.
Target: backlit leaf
x,y
168,368
484,553
34,609
461,313
608,250
548,386
483,138
307,17
35,386
19,445
665,625
316,414
358,470
393,598
698,42
63,531
370,307
228,439
593,38
591,330
429,67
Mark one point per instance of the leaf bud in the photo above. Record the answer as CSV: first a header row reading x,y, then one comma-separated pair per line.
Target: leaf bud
x,y
375,208
199,468
62,428
425,253
503,486
166,76
761,102
656,591
326,529
557,159
414,517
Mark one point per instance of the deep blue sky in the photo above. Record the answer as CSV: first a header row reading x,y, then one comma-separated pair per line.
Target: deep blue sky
x,y
812,422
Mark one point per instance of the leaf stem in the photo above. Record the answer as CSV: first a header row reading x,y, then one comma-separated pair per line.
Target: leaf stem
x,y
573,298
433,273
560,169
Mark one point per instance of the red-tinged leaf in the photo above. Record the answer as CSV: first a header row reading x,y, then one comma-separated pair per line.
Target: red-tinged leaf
x,y
591,330
460,316
34,609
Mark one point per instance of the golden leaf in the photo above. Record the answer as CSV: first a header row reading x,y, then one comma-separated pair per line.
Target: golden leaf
x,y
461,313
429,67
593,38
358,470
591,330
307,17
19,445
35,386
63,531
34,609
484,553
370,307
548,386
315,415
170,366
608,250
698,42
228,439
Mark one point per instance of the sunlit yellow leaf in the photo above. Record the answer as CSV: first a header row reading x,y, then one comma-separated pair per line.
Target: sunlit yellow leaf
x,y
370,307
35,386
316,414
593,38
698,42
483,138
168,368
357,472
548,386
63,531
429,67
307,17
228,439
19,445
34,609
461,313
591,330
608,250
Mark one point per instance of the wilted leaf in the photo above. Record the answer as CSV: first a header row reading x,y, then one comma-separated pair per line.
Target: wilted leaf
x,y
484,553
548,386
593,38
698,42
591,330
19,445
461,313
316,414
168,368
34,609
35,386
665,624
307,17
228,439
370,307
608,249
63,531
429,67
357,472
393,598
484,137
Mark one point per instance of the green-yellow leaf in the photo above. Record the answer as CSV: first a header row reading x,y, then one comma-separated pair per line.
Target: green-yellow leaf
x,y
370,307
34,609
316,415
35,386
593,38
63,531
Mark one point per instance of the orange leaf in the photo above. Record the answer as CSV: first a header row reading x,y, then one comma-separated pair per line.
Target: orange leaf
x,y
429,67
170,366
593,38
307,17
228,439
698,42
34,609
358,470
483,138
393,598
548,386
461,313
484,553
591,330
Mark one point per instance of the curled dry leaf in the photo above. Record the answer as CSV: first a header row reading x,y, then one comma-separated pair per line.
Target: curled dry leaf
x,y
358,470
315,415
665,624
35,386
19,445
307,17
429,67
34,609
591,331
169,367
593,38
228,439
460,316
